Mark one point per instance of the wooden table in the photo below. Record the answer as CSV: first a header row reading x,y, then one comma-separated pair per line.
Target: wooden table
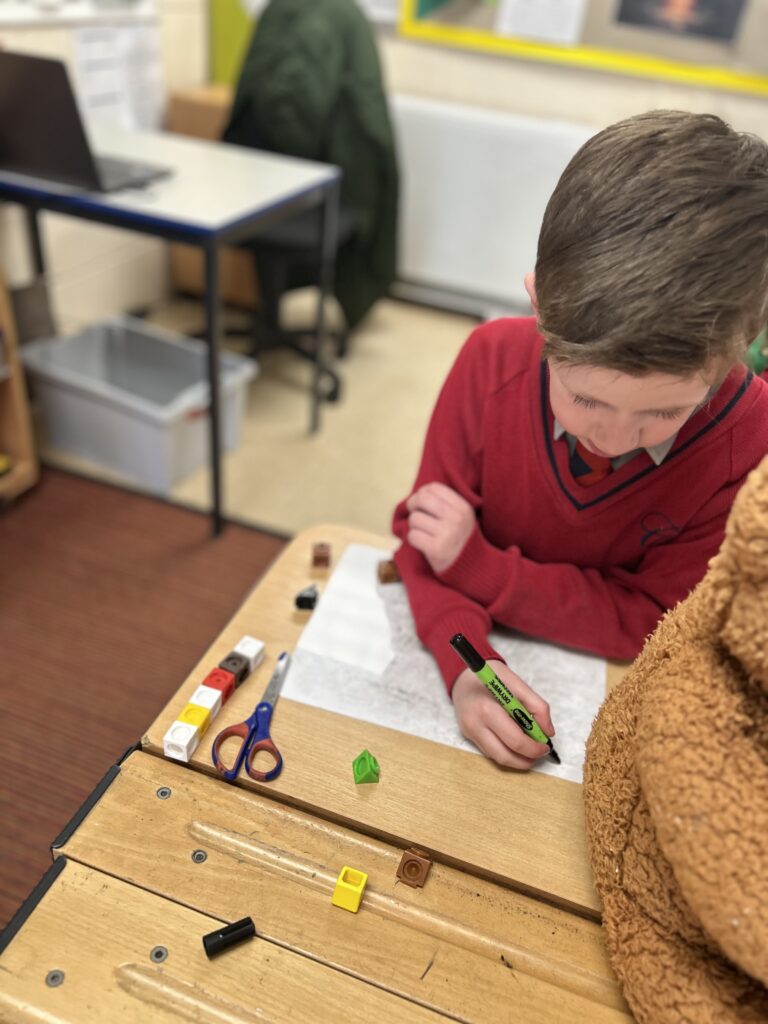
x,y
505,929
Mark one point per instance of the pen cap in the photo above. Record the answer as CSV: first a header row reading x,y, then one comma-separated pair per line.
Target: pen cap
x,y
467,652
223,938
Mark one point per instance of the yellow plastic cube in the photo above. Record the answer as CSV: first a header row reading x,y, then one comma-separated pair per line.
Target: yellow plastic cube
x,y
349,889
194,714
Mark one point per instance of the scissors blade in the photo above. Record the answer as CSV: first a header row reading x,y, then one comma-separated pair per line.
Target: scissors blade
x,y
275,684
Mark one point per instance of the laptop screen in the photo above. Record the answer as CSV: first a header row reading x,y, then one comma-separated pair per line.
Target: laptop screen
x,y
41,133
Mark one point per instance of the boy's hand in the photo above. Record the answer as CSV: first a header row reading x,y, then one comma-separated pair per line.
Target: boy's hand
x,y
439,524
484,721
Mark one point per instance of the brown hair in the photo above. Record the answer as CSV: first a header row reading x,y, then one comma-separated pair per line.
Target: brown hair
x,y
653,251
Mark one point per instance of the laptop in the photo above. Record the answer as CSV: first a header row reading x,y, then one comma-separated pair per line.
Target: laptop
x,y
42,133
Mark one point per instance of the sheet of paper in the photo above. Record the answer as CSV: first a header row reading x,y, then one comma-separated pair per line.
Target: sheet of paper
x,y
547,21
349,623
359,656
53,12
119,76
377,10
253,7
384,11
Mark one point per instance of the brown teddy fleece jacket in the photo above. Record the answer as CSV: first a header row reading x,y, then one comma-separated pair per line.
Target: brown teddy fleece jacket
x,y
676,795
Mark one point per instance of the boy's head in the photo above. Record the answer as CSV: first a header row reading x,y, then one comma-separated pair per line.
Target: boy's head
x,y
653,251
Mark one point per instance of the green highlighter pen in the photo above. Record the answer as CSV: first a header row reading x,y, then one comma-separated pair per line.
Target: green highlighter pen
x,y
508,701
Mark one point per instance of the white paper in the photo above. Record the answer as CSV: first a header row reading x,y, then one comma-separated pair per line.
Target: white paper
x,y
359,656
548,21
376,10
62,11
383,11
118,75
349,623
253,7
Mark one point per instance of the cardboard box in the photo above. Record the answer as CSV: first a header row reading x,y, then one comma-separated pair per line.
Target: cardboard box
x,y
202,112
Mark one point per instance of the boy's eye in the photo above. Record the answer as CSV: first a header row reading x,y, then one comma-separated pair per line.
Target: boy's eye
x,y
661,414
589,403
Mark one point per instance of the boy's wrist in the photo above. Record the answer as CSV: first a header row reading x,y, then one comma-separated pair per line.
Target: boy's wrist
x,y
481,571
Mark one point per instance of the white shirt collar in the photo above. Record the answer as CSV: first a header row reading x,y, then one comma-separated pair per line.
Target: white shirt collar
x,y
657,452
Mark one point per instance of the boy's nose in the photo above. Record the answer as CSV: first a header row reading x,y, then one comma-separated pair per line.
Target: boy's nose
x,y
618,442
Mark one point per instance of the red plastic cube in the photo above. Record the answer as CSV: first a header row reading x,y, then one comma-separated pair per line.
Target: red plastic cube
x,y
220,679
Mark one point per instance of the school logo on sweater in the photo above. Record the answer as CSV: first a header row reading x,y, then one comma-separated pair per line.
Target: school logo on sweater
x,y
657,528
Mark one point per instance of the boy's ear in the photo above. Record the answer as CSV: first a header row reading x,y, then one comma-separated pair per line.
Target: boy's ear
x,y
530,286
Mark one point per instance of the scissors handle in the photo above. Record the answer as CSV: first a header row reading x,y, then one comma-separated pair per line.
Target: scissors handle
x,y
262,741
244,731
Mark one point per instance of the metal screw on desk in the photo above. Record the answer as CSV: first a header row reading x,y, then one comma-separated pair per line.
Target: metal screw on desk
x,y
164,792
158,954
54,978
198,856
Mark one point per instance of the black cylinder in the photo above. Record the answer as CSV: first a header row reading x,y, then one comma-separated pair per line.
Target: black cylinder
x,y
223,938
467,652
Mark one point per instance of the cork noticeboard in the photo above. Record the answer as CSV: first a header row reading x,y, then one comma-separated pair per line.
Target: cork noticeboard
x,y
720,44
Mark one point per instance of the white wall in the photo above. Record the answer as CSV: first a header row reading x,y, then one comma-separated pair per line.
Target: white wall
x,y
184,41
550,90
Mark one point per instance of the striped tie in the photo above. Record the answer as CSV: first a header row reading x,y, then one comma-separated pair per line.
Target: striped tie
x,y
588,468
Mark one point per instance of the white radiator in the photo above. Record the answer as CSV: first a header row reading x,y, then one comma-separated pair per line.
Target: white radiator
x,y
474,187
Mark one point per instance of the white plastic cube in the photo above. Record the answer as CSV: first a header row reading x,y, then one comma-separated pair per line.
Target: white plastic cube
x,y
207,697
181,740
252,649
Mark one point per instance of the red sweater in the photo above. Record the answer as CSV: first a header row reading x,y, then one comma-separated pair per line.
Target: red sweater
x,y
591,568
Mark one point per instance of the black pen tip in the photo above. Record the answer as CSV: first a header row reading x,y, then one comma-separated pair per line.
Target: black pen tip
x,y
554,754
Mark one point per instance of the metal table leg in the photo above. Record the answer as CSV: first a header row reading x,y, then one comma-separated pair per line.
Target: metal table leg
x,y
330,229
212,333
35,240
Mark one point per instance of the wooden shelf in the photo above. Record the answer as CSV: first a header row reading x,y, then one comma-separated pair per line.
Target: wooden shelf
x,y
16,437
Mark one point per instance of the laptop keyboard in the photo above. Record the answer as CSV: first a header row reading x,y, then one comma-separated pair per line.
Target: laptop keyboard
x,y
116,173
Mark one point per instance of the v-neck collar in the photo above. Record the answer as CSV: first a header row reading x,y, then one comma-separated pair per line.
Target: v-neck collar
x,y
640,466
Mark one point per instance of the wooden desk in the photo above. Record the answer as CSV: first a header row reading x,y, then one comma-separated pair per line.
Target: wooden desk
x,y
504,930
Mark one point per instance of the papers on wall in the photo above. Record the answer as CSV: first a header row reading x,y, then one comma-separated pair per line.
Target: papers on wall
x,y
359,656
383,11
253,7
15,12
546,21
118,75
377,10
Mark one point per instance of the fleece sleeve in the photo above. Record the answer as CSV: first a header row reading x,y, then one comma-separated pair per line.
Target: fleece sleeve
x,y
450,456
609,612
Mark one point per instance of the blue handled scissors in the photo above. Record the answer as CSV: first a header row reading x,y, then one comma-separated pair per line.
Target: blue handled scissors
x,y
254,732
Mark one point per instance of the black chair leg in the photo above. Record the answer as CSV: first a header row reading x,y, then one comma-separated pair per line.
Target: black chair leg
x,y
272,274
272,280
332,388
342,340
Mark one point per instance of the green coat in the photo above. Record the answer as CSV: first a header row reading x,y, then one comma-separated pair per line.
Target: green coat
x,y
311,87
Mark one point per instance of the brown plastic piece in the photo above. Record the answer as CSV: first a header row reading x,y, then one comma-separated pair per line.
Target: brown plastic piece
x,y
388,573
414,868
321,555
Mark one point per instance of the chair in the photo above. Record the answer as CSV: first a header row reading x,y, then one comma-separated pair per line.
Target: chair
x,y
287,253
311,86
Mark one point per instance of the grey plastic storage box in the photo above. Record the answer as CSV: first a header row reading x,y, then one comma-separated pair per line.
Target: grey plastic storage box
x,y
134,398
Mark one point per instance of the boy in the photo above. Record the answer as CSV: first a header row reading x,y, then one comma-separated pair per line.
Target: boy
x,y
579,466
